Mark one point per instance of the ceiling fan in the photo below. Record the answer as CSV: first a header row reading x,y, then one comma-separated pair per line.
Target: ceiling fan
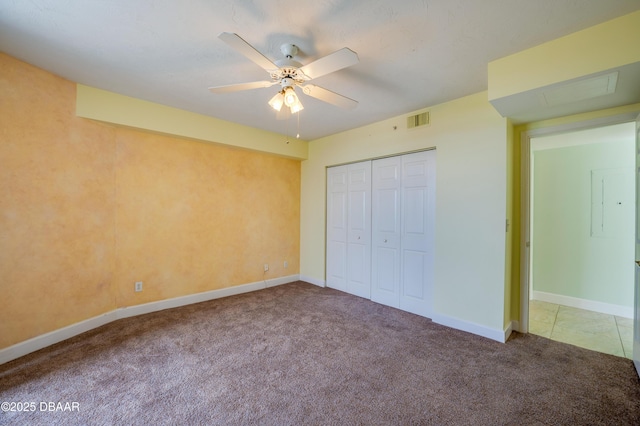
x,y
289,73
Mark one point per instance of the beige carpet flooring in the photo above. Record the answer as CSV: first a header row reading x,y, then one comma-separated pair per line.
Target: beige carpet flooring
x,y
298,354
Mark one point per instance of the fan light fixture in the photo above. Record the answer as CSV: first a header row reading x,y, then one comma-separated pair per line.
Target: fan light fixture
x,y
277,101
286,97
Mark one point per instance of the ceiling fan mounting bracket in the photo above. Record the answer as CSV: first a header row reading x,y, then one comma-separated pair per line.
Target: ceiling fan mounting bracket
x,y
289,50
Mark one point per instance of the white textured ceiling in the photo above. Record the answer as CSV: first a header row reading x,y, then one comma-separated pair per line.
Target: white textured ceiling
x,y
413,53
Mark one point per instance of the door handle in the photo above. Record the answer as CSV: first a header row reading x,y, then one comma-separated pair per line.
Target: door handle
x,y
638,262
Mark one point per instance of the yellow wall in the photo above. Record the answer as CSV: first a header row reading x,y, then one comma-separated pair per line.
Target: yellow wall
x,y
599,48
88,209
471,142
131,112
595,49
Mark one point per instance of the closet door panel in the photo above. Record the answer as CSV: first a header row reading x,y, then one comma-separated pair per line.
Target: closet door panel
x,y
413,269
359,230
418,195
385,277
336,256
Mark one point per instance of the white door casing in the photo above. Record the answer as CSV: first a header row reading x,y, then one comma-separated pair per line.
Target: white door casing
x,y
526,198
636,310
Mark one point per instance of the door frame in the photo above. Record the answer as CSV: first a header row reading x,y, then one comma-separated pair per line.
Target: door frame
x,y
525,195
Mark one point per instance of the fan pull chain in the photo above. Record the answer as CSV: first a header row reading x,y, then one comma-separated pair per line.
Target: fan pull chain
x,y
287,129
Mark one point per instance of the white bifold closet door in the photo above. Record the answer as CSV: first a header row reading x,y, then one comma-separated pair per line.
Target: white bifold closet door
x,y
349,228
380,230
403,222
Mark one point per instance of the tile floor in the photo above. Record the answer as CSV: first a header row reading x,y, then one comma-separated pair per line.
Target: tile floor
x,y
587,329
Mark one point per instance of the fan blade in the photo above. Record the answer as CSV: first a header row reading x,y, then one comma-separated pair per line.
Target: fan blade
x,y
329,96
238,43
335,61
242,86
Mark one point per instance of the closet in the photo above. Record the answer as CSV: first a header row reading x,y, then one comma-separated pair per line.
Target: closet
x,y
380,230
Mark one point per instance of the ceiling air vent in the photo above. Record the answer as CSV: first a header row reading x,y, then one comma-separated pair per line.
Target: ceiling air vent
x,y
580,90
418,120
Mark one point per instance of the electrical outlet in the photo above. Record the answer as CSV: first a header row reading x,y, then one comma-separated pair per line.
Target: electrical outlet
x,y
286,264
266,267
138,286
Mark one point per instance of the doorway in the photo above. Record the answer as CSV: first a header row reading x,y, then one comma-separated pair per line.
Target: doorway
x,y
577,284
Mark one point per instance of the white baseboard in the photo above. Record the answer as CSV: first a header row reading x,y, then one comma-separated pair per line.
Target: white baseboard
x,y
53,337
470,327
590,305
507,331
48,339
314,281
283,280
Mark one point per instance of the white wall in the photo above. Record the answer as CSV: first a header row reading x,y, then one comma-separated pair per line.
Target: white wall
x,y
471,139
575,261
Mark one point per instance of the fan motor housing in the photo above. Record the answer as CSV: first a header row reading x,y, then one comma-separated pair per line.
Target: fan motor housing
x,y
288,69
287,82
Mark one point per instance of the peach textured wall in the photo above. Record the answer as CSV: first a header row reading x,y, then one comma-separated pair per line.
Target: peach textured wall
x,y
88,209
193,217
57,206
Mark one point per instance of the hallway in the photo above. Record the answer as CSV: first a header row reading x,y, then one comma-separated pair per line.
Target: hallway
x,y
591,330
